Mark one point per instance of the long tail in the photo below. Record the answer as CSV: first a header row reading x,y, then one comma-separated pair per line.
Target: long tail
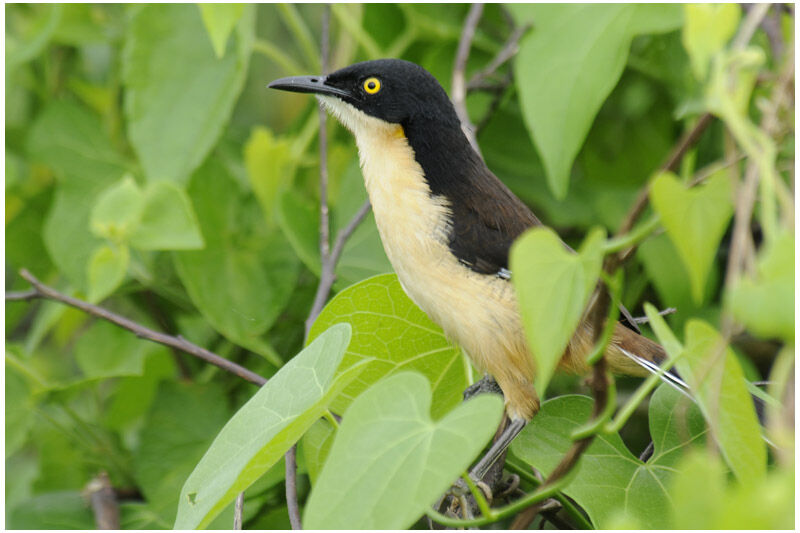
x,y
634,354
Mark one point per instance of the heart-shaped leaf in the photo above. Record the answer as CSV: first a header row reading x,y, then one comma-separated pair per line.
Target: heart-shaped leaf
x,y
258,435
553,286
609,481
562,85
391,461
695,220
391,330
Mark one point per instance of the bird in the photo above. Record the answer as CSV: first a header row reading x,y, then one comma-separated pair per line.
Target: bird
x,y
447,224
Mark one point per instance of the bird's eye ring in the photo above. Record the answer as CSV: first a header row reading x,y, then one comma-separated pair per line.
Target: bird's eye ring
x,y
372,85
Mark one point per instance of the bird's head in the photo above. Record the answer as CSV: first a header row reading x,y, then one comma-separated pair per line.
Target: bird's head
x,y
392,91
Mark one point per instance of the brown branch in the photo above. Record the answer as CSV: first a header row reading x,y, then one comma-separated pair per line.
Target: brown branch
x,y
291,488
238,511
42,291
459,85
103,499
510,48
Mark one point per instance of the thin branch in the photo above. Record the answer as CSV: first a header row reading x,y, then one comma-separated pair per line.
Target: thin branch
x,y
291,488
459,85
42,291
328,275
103,499
238,511
508,51
749,26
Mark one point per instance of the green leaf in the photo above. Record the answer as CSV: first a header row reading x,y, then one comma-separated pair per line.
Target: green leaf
x,y
713,374
178,95
695,220
391,461
317,443
105,350
23,46
708,29
177,431
167,220
553,286
258,435
107,269
71,141
219,20
609,482
391,330
117,211
244,276
765,305
567,66
270,168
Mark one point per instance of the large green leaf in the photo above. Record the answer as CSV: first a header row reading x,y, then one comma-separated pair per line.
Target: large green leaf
x,y
244,276
105,350
765,305
695,220
178,95
53,510
553,286
568,65
167,220
71,141
712,372
609,481
391,460
258,435
389,328
270,168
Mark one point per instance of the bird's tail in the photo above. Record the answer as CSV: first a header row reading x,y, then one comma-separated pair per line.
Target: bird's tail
x,y
633,354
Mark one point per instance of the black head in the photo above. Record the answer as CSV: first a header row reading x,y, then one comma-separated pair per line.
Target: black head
x,y
392,90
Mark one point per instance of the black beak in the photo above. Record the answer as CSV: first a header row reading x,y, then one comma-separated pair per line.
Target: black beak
x,y
307,84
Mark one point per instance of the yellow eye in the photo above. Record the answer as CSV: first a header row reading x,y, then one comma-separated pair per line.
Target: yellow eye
x,y
372,85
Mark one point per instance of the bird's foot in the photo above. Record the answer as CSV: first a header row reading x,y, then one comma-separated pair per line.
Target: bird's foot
x,y
486,384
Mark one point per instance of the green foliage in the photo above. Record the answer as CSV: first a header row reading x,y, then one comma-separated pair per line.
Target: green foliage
x,y
391,461
610,482
148,170
562,86
695,221
282,411
542,267
178,94
396,336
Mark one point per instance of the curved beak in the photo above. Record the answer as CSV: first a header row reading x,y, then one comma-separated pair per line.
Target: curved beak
x,y
307,84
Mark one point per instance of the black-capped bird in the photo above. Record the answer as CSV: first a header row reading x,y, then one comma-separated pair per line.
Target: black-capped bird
x,y
447,224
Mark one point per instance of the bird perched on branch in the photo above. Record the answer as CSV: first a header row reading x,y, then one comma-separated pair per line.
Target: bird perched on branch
x,y
447,224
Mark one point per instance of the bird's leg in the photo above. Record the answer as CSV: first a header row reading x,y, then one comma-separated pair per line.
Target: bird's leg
x,y
498,447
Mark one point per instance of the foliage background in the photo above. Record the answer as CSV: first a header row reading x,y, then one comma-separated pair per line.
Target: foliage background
x,y
148,168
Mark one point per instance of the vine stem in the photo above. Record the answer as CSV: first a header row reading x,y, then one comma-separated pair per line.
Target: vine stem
x,y
459,83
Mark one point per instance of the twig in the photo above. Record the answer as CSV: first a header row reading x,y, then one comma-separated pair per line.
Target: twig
x,y
645,320
328,275
238,511
104,502
508,51
749,26
459,85
42,291
291,488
